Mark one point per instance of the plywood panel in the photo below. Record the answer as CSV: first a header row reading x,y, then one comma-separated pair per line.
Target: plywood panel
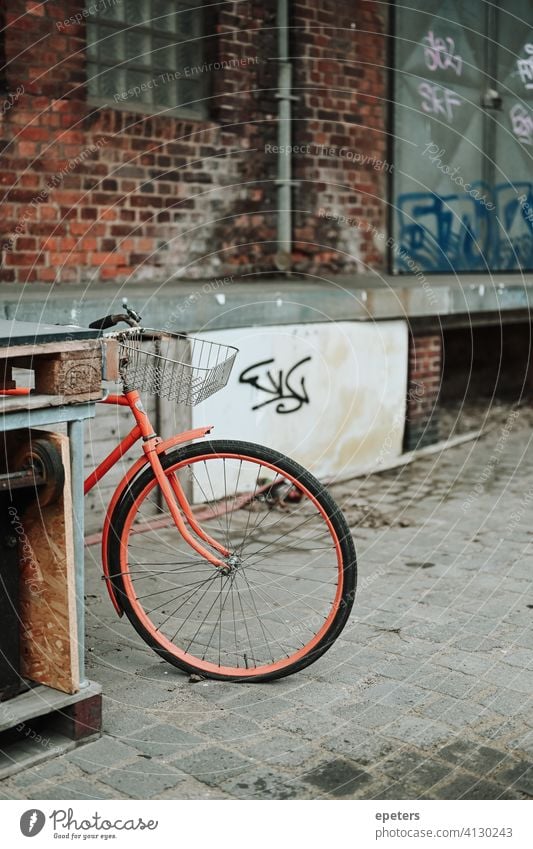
x,y
330,395
49,650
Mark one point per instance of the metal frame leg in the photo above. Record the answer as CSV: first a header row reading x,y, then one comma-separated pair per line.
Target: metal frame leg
x,y
75,432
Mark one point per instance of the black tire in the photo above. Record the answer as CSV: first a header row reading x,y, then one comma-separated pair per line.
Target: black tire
x,y
305,484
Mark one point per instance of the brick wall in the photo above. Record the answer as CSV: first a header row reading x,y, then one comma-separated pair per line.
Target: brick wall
x,y
423,390
340,76
103,194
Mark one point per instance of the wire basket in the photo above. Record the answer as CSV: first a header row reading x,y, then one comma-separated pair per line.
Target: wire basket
x,y
172,365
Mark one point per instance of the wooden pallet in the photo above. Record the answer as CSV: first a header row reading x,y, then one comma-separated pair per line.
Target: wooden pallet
x,y
70,370
43,723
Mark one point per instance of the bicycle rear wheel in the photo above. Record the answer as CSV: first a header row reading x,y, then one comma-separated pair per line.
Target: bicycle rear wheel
x,y
291,576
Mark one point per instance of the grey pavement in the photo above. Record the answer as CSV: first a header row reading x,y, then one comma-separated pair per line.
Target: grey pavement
x,y
427,694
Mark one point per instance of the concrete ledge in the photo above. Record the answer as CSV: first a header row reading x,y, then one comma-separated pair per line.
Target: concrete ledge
x,y
229,302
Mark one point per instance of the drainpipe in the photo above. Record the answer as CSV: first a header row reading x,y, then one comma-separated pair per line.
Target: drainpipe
x,y
284,181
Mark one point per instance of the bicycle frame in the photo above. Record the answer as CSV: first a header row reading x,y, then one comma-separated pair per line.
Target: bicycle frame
x,y
173,493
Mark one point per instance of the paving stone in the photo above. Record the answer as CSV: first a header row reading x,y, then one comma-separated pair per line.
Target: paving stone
x,y
472,756
518,777
468,787
101,754
165,740
450,683
397,695
231,727
266,709
153,777
77,789
320,694
521,745
502,700
365,747
457,712
416,769
419,731
220,691
213,765
190,788
265,784
387,789
311,725
339,778
137,696
283,750
122,723
54,768
369,714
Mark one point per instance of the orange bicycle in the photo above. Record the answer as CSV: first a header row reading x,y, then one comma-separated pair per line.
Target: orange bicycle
x,y
229,559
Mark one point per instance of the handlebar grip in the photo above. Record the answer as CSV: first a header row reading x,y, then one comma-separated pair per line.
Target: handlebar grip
x,y
105,322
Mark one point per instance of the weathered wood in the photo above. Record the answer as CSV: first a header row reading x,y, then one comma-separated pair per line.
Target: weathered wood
x,y
70,370
47,591
57,715
67,374
82,719
27,351
41,701
15,403
6,376
110,359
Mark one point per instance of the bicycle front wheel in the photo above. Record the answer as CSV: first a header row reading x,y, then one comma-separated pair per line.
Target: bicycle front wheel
x,y
290,580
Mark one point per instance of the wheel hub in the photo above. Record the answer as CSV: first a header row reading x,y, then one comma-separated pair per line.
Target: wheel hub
x,y
232,563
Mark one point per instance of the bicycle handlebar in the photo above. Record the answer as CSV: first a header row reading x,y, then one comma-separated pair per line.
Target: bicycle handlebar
x,y
111,320
129,316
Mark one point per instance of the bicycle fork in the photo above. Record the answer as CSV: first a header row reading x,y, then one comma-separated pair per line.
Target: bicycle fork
x,y
172,490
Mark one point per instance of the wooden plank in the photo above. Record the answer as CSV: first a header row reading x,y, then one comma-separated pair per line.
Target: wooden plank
x,y
19,756
61,719
16,403
110,357
40,701
30,351
48,601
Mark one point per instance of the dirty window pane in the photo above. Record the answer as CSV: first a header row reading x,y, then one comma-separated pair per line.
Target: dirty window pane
x,y
463,129
137,49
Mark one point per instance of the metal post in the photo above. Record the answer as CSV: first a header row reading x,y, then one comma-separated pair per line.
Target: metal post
x,y
75,432
284,181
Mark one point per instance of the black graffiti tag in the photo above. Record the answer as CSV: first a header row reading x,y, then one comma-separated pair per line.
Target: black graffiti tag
x,y
290,398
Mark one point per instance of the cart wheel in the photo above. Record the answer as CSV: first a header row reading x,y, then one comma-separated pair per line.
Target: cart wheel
x,y
43,456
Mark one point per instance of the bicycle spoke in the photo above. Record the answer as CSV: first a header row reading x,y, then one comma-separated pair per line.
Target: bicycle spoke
x,y
260,618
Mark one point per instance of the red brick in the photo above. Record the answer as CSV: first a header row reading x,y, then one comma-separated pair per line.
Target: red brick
x,y
98,258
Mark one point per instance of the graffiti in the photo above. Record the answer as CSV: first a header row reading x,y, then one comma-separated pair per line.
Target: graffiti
x,y
438,100
525,67
458,232
439,54
289,398
522,123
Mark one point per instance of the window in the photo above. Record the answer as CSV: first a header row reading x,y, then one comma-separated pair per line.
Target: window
x,y
147,55
463,130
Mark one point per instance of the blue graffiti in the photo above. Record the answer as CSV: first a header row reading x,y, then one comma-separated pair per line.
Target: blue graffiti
x,y
459,232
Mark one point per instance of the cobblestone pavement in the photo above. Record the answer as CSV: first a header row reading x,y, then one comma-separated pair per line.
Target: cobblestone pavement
x,y
427,694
